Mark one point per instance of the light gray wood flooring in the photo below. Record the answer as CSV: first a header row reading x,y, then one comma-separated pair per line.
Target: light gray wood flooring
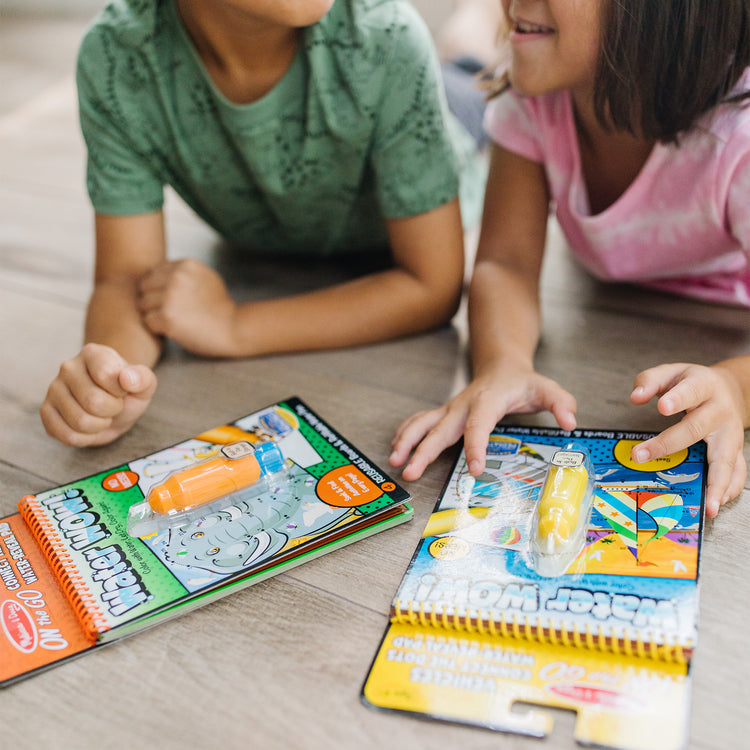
x,y
281,664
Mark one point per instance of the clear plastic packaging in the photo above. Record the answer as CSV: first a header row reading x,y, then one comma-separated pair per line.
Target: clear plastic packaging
x,y
240,472
558,527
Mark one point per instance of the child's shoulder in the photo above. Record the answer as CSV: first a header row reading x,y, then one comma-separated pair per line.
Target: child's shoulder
x,y
375,21
543,112
388,11
377,12
363,47
129,23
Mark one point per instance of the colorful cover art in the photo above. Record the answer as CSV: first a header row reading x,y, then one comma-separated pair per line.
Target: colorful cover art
x,y
75,536
634,580
38,625
471,603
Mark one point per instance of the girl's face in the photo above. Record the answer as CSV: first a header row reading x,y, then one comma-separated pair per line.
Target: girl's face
x,y
554,45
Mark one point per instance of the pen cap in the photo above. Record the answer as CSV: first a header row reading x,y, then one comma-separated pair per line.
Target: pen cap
x,y
269,457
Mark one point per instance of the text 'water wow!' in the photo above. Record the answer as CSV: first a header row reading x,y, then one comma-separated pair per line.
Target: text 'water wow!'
x,y
560,520
241,471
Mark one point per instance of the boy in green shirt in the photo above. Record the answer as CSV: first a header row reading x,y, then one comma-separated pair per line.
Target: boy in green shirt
x,y
295,127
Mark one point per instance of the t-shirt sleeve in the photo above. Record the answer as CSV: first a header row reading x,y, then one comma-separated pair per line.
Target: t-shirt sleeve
x,y
414,157
121,178
509,122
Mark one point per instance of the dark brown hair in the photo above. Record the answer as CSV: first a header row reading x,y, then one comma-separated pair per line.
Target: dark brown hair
x,y
664,63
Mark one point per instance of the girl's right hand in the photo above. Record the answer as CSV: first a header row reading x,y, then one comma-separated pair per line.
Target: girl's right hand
x,y
96,397
474,413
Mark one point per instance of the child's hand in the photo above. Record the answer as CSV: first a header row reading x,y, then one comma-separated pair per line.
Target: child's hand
x,y
713,402
474,413
189,303
96,397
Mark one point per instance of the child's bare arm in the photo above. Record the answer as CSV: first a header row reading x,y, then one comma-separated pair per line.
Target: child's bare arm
x,y
98,394
189,303
505,323
127,248
716,402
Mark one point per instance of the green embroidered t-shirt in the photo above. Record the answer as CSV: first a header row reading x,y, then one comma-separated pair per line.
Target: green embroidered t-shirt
x,y
356,130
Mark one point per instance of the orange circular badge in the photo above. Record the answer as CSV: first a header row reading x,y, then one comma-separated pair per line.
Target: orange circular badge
x,y
120,480
347,487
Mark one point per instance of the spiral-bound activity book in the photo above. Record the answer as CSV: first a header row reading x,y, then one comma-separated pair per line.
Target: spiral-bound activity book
x,y
476,636
79,569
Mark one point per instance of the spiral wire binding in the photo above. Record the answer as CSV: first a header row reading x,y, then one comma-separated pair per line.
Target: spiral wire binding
x,y
538,631
55,552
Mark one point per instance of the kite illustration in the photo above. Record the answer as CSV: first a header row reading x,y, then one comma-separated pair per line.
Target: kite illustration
x,y
620,507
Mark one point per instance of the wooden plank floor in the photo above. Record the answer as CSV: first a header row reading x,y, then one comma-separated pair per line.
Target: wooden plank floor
x,y
282,663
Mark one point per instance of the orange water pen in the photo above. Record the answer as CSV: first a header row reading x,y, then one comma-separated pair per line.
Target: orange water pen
x,y
227,433
237,467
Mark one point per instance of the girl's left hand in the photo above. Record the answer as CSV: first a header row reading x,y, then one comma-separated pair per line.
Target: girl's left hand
x,y
188,302
713,404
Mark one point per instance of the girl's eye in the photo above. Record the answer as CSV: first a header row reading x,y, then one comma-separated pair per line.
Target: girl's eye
x,y
214,551
197,535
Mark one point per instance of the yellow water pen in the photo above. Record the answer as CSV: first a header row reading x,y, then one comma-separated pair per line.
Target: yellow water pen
x,y
560,518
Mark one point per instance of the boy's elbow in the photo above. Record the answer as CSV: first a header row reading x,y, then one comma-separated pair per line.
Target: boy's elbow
x,y
445,303
453,302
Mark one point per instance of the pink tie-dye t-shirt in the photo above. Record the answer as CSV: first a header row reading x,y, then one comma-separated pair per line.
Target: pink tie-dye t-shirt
x,y
683,225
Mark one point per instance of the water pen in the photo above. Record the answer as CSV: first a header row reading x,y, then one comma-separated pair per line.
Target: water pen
x,y
237,469
560,518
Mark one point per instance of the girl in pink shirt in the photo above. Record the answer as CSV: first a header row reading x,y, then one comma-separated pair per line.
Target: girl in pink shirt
x,y
629,118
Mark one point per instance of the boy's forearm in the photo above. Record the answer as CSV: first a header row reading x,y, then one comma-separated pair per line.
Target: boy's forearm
x,y
373,308
113,319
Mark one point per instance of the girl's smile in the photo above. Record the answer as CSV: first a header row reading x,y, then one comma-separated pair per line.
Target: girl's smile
x,y
554,44
525,29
